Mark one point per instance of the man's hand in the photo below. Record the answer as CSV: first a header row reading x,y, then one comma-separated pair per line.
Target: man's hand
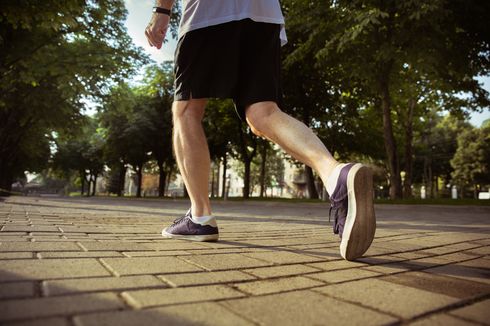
x,y
156,29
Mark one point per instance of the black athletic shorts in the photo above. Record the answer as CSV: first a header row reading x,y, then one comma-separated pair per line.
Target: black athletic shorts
x,y
238,60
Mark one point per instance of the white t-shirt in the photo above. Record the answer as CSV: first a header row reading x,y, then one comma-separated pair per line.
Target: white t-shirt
x,y
202,13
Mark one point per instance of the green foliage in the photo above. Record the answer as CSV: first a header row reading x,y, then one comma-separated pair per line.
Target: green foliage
x,y
80,153
138,125
386,55
53,54
471,161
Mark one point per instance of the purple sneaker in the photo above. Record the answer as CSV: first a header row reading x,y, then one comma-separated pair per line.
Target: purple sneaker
x,y
353,209
187,229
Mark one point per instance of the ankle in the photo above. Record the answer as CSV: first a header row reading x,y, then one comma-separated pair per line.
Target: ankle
x,y
199,212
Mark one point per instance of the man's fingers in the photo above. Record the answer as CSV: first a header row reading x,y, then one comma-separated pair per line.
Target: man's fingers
x,y
149,37
156,30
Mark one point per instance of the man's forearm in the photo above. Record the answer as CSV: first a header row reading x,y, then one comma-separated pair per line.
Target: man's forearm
x,y
167,4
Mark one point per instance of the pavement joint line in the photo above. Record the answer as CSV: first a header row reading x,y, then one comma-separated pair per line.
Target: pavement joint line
x,y
193,263
236,313
452,306
78,243
247,295
466,319
359,304
108,267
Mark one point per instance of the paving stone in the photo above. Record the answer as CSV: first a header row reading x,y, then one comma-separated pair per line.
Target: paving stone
x,y
16,255
411,255
283,257
205,278
478,312
277,285
467,273
17,290
160,297
379,260
343,275
65,305
456,257
35,269
112,246
79,254
26,228
480,251
477,263
390,268
442,320
57,287
277,271
208,313
167,244
148,265
54,321
225,261
451,248
155,253
338,264
435,283
39,246
400,300
305,308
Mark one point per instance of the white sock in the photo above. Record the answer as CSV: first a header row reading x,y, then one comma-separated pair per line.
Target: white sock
x,y
333,178
204,220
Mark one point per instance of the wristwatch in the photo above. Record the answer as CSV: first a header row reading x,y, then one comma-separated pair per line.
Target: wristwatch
x,y
161,10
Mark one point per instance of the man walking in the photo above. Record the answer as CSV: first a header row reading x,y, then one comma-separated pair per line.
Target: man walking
x,y
231,49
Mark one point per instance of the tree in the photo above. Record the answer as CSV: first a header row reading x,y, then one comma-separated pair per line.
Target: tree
x,y
368,44
220,119
157,90
128,126
113,115
471,162
81,152
53,54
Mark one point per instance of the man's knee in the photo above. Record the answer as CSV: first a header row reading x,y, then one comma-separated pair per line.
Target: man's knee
x,y
258,116
188,110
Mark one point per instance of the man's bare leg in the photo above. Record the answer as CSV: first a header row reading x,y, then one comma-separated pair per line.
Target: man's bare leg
x,y
267,120
192,153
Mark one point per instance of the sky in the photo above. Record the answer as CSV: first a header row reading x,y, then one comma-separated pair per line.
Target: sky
x,y
140,11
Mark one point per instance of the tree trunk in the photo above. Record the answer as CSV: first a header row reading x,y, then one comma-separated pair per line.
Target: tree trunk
x,y
212,180
139,174
310,183
169,178
6,179
161,180
246,178
246,158
82,180
186,193
431,181
89,183
262,168
390,144
223,189
407,191
94,188
122,180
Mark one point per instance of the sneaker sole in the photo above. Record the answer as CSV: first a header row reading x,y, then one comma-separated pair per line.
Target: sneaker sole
x,y
207,237
360,224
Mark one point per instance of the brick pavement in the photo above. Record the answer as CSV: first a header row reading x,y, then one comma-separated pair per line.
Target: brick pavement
x,y
101,261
